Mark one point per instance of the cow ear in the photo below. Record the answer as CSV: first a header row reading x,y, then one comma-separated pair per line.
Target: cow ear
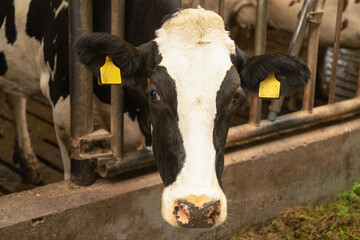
x,y
93,48
290,71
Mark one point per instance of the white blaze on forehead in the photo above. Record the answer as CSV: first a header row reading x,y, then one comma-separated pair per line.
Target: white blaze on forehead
x,y
195,50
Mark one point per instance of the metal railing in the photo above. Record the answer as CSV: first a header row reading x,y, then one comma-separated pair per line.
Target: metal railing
x,y
91,149
310,15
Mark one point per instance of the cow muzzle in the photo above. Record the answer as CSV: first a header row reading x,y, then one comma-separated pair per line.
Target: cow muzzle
x,y
197,211
194,206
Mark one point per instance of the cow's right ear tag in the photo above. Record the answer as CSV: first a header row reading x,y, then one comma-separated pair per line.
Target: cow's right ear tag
x,y
270,87
109,73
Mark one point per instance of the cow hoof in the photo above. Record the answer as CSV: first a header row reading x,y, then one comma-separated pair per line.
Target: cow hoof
x,y
30,176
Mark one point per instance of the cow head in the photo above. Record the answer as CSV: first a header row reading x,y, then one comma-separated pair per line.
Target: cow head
x,y
197,74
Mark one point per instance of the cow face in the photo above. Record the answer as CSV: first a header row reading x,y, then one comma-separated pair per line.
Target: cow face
x,y
197,74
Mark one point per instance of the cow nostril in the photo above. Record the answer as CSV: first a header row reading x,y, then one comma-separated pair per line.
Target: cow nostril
x,y
212,209
191,214
181,213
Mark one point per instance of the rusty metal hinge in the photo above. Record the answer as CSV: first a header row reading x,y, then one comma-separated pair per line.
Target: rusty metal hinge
x,y
95,145
315,16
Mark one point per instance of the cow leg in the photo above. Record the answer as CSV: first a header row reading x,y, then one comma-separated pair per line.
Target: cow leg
x,y
61,116
23,152
61,138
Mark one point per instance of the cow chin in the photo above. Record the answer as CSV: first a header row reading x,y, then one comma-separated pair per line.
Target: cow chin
x,y
202,208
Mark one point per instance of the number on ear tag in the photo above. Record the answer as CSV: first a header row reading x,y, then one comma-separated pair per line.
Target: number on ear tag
x,y
270,87
109,73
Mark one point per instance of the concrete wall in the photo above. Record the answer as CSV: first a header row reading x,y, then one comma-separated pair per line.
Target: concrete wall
x,y
259,181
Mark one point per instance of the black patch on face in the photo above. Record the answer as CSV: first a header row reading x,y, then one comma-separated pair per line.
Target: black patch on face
x,y
7,14
136,104
225,109
3,65
42,25
168,145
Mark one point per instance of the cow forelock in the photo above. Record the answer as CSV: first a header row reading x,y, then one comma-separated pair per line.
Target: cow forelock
x,y
195,51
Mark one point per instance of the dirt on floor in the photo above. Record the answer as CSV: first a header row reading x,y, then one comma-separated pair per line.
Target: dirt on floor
x,y
337,220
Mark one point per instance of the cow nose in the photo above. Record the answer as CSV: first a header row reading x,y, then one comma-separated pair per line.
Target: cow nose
x,y
196,211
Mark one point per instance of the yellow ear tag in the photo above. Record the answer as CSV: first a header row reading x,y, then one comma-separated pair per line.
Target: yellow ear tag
x,y
109,73
270,87
148,80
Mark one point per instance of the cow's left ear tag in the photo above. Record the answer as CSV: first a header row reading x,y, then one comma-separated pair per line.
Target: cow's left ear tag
x,y
270,87
109,73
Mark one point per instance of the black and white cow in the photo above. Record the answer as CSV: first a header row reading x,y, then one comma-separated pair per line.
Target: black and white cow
x,y
34,60
197,74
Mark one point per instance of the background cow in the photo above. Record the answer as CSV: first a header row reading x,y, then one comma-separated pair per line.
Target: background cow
x,y
34,60
283,15
197,75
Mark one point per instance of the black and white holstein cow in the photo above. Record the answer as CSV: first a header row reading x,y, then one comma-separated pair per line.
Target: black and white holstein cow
x,y
197,74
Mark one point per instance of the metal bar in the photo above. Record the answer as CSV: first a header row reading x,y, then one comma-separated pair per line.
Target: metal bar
x,y
358,85
136,160
81,90
294,49
298,120
314,19
260,45
336,51
117,102
261,26
222,8
275,108
300,29
255,110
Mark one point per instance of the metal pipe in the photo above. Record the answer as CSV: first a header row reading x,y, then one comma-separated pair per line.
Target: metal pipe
x,y
81,91
298,120
300,29
294,49
336,51
259,48
358,85
222,8
136,160
261,26
314,19
117,102
275,108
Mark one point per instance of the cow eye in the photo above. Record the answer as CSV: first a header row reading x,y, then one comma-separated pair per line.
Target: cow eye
x,y
239,92
236,98
154,96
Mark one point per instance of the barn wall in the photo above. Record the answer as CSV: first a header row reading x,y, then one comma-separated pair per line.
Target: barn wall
x,y
309,168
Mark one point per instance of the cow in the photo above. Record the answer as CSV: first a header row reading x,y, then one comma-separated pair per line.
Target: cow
x,y
197,75
34,60
350,30
283,14
196,72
